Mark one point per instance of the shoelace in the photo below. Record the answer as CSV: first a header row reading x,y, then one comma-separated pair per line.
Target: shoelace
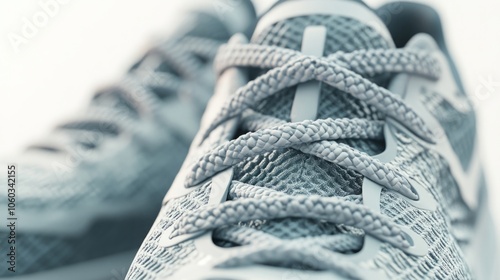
x,y
316,137
142,90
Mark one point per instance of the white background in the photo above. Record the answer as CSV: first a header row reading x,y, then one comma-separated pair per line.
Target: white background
x,y
87,44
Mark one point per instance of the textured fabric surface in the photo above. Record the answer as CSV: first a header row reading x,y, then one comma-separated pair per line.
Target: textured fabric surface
x,y
334,103
38,252
84,187
445,259
292,171
154,261
289,171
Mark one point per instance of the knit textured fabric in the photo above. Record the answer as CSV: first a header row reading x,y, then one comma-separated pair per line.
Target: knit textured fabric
x,y
155,261
292,171
445,260
295,173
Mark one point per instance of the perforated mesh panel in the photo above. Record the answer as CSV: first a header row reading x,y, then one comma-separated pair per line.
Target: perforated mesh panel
x,y
41,252
445,259
154,261
86,187
291,171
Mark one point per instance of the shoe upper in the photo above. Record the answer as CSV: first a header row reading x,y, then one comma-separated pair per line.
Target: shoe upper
x,y
93,187
325,153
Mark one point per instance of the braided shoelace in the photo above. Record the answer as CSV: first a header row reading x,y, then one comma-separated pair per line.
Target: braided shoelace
x,y
247,203
142,89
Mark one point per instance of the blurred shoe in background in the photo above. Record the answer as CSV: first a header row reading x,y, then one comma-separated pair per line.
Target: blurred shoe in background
x,y
350,153
89,193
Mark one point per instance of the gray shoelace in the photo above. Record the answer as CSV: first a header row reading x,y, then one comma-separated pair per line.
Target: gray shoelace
x,y
142,89
316,137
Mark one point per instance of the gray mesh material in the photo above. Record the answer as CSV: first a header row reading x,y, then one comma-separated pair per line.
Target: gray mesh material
x,y
41,190
295,173
460,128
154,261
291,171
445,260
433,171
288,34
42,252
64,186
285,170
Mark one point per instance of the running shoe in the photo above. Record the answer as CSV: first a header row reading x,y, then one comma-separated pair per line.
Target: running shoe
x,y
86,196
335,147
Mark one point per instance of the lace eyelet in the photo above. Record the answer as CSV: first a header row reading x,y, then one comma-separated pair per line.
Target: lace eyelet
x,y
425,199
418,247
166,239
218,193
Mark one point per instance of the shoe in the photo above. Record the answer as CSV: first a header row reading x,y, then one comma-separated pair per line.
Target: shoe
x,y
479,244
88,194
334,148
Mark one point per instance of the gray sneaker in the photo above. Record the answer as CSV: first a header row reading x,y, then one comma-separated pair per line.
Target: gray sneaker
x,y
85,197
334,147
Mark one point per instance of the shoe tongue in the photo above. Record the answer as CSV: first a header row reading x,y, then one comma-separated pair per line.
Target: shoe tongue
x,y
351,25
344,25
348,26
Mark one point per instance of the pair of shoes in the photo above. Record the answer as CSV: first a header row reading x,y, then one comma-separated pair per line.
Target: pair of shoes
x,y
339,143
